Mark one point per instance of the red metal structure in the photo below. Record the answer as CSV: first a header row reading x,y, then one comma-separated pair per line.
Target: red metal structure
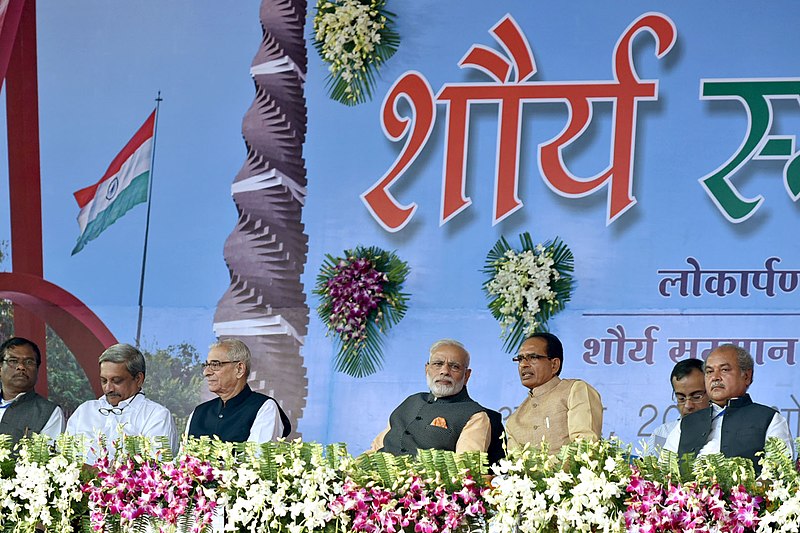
x,y
36,301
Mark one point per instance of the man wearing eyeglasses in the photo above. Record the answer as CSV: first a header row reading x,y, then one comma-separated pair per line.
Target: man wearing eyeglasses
x,y
123,405
23,411
238,414
446,418
557,411
733,424
689,391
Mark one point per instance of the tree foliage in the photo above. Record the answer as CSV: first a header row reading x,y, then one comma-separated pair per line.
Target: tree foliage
x,y
174,379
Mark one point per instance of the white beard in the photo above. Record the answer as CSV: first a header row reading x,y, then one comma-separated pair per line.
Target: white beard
x,y
441,390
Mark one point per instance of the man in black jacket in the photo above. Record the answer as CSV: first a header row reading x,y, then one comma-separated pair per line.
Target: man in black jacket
x,y
238,413
733,424
445,418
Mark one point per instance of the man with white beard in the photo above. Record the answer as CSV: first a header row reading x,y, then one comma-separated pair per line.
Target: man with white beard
x,y
446,418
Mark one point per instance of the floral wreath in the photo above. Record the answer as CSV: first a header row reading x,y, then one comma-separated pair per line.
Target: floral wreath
x,y
527,287
354,37
360,299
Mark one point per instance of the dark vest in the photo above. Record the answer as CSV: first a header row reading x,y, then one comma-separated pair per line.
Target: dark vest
x,y
26,415
497,446
744,429
231,421
410,424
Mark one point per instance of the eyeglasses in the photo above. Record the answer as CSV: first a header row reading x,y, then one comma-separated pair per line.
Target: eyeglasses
x,y
216,365
529,357
695,397
105,411
454,367
13,362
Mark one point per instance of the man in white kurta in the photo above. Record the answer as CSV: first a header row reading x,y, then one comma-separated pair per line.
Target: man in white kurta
x,y
123,408
689,389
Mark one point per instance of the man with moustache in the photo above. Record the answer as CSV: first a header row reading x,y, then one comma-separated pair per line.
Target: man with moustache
x,y
557,411
23,411
733,424
445,418
123,406
689,389
237,414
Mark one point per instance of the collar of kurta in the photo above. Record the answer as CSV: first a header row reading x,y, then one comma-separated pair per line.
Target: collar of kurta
x,y
460,397
6,403
541,390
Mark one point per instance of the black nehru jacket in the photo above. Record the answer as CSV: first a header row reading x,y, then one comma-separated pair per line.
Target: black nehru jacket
x,y
27,414
410,424
744,429
231,421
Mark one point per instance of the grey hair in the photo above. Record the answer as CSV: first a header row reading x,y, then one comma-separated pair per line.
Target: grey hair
x,y
449,342
743,357
127,354
236,350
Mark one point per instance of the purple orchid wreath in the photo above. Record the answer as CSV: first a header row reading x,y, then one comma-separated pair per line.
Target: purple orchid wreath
x,y
360,299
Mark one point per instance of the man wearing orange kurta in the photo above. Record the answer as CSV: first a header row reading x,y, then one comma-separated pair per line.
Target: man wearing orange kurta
x,y
556,410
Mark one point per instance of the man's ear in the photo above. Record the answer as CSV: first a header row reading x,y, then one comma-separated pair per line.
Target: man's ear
x,y
748,376
139,379
467,374
556,365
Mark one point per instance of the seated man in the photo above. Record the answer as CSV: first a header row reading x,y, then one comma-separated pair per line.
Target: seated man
x,y
123,405
556,410
689,390
446,418
22,411
237,414
733,424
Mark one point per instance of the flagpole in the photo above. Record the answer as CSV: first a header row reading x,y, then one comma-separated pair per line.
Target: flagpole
x,y
147,222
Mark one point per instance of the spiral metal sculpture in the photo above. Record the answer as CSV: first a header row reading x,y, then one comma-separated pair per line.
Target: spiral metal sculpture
x,y
265,305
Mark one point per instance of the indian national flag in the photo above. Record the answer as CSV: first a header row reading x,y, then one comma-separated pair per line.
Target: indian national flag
x,y
122,186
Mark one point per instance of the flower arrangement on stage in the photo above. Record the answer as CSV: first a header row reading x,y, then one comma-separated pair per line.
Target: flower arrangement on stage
x,y
527,287
653,507
360,299
582,488
432,493
301,487
354,37
139,486
284,487
39,488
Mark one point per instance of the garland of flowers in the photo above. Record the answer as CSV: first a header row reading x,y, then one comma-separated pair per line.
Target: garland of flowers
x,y
302,487
360,299
354,37
527,287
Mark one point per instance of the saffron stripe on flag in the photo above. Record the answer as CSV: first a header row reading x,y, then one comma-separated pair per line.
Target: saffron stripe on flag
x,y
144,133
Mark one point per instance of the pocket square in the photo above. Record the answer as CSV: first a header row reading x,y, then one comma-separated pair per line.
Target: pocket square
x,y
439,422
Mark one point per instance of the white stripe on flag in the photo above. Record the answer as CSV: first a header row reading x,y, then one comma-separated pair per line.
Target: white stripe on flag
x,y
109,190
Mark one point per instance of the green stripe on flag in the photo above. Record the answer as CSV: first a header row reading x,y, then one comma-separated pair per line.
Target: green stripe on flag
x,y
134,193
